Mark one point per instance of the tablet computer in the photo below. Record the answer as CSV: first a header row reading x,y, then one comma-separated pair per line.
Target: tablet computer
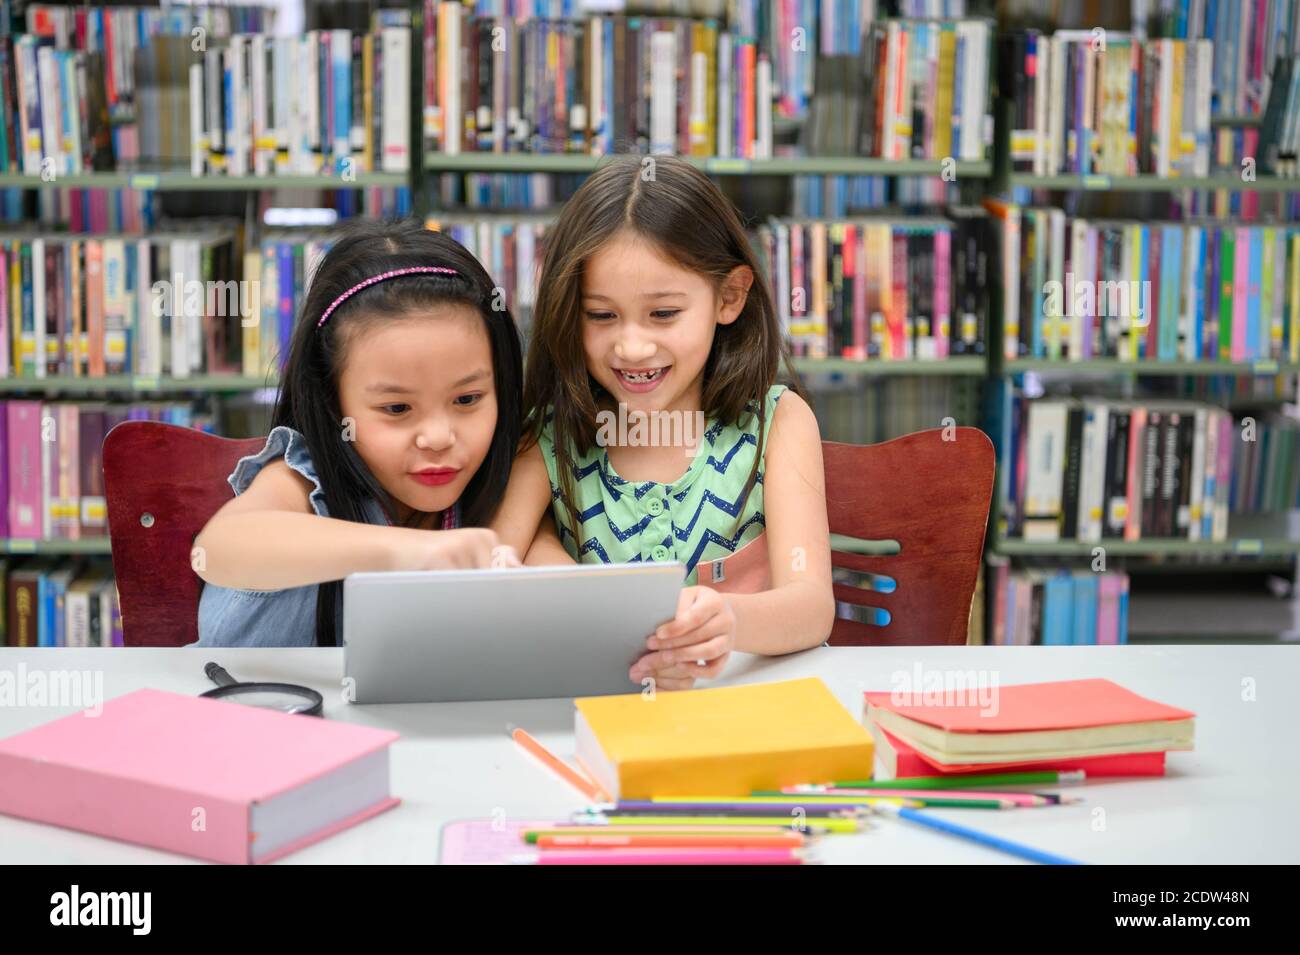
x,y
502,633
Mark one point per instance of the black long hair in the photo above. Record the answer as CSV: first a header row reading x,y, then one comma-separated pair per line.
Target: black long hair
x,y
309,398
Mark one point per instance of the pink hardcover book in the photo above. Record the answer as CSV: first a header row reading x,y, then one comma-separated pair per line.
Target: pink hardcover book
x,y
1240,282
206,778
942,280
24,463
67,519
1108,609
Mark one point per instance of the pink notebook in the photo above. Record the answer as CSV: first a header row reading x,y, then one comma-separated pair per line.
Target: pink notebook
x,y
220,781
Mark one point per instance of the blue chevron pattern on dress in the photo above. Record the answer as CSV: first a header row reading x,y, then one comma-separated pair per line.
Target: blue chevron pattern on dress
x,y
708,515
730,543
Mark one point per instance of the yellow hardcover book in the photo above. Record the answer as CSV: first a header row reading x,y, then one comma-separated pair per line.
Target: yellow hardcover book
x,y
711,51
724,741
944,92
1133,243
698,95
1270,329
1176,111
15,308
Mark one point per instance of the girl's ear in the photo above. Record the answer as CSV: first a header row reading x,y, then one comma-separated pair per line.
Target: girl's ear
x,y
735,290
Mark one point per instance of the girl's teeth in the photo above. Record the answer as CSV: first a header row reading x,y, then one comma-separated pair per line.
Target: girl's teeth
x,y
642,376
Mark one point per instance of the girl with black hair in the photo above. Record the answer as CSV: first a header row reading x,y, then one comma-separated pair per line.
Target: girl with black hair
x,y
398,417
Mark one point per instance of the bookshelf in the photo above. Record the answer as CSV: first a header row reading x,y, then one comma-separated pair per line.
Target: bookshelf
x,y
184,181
714,165
1255,542
970,374
1152,183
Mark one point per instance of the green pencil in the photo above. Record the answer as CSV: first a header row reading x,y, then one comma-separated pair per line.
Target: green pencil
x,y
955,781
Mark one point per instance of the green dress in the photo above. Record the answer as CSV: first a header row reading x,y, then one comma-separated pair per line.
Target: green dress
x,y
700,517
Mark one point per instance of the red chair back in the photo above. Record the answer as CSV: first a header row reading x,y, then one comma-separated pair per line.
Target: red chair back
x,y
162,483
930,492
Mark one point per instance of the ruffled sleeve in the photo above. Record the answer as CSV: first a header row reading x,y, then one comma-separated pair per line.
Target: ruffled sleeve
x,y
283,442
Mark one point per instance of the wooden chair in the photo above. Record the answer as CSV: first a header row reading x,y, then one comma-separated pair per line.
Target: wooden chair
x,y
932,497
162,483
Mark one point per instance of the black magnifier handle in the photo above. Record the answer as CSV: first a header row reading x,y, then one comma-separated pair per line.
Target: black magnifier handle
x,y
218,675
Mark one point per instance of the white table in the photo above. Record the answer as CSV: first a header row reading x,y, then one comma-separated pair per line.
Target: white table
x,y
1232,800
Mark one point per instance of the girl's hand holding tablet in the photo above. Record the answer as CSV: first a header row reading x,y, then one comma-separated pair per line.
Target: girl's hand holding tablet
x,y
694,644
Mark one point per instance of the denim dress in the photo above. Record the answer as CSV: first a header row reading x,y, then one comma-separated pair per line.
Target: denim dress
x,y
277,618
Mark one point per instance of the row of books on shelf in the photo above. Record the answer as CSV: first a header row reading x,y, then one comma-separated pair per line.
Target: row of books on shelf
x,y
51,463
1096,470
698,87
58,603
1248,37
602,85
1097,101
68,86
1093,469
925,92
1081,288
86,306
1038,607
326,102
902,288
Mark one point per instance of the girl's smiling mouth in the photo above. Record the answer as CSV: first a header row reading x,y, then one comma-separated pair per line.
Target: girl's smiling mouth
x,y
641,380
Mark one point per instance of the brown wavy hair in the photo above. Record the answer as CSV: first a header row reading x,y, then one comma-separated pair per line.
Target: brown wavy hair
x,y
670,203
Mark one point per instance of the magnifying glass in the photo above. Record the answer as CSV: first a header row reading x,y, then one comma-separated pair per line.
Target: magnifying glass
x,y
285,697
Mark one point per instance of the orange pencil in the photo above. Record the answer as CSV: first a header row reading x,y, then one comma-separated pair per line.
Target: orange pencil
x,y
579,781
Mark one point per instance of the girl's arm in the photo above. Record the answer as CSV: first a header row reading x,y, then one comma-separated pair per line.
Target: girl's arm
x,y
799,610
528,498
546,547
269,538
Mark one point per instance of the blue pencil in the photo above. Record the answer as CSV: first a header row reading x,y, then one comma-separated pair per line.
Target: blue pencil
x,y
923,818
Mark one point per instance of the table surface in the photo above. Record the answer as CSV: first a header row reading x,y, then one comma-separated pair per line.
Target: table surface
x,y
1231,800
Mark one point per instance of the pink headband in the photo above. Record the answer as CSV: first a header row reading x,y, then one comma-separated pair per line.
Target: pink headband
x,y
413,270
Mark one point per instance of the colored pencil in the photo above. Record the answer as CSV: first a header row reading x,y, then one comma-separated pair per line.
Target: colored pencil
x,y
662,857
812,807
960,781
923,818
770,799
810,802
828,824
568,773
590,826
594,840
929,796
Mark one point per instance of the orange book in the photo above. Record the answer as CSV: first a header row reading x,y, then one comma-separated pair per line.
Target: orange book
x,y
94,308
725,741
